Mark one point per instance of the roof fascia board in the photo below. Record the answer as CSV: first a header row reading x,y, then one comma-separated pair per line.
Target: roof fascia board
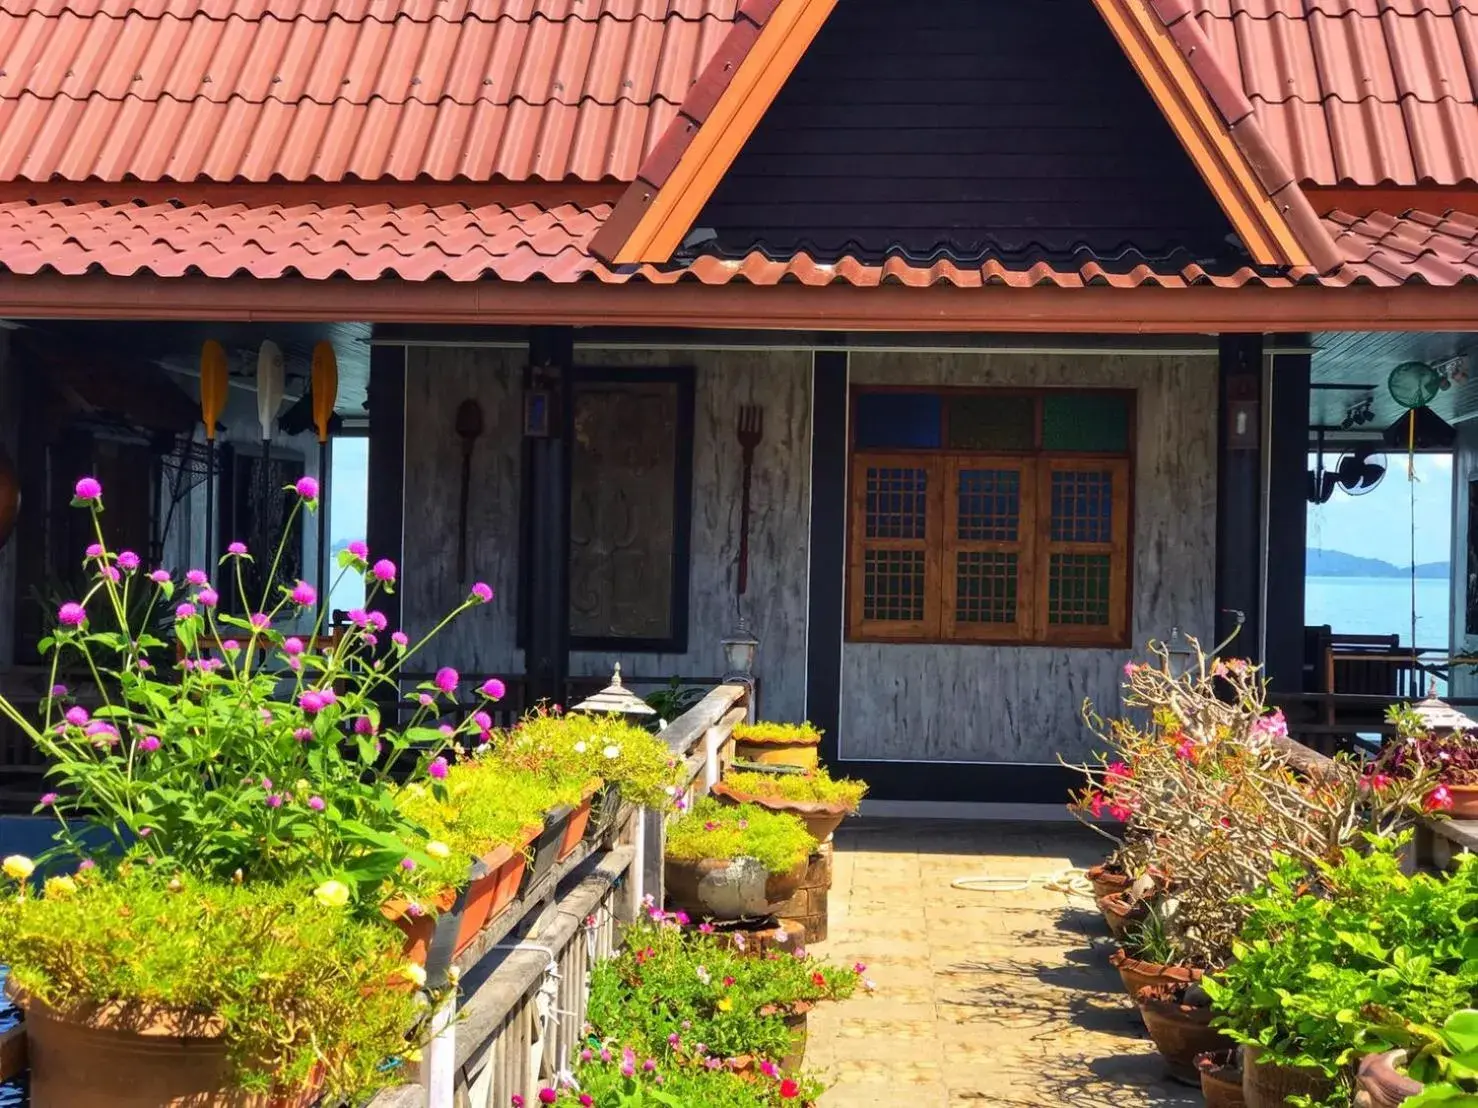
x,y
1214,120
716,119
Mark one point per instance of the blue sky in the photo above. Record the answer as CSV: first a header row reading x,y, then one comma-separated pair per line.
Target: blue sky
x,y
1379,523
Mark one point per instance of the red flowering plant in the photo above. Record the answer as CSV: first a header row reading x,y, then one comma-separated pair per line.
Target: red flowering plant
x,y
241,751
1449,758
1210,787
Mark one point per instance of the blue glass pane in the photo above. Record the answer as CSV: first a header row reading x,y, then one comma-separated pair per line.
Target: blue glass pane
x,y
897,420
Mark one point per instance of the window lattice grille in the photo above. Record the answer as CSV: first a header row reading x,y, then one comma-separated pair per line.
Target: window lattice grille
x,y
893,585
1082,506
897,502
985,587
1078,587
989,505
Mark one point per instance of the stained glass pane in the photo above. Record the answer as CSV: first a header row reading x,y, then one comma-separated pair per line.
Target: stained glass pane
x,y
893,585
985,587
1096,421
1078,590
989,505
898,420
1082,506
983,422
897,502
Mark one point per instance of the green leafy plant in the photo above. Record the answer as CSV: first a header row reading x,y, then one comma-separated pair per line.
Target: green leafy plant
x,y
777,840
1148,941
817,786
583,747
292,982
1330,964
1445,1060
673,699
764,731
605,1083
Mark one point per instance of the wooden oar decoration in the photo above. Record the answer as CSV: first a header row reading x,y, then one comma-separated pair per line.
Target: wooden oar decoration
x,y
214,381
325,385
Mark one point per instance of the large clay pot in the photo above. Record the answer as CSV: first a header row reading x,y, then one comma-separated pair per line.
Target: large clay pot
x,y
820,819
1181,1031
1265,1085
1464,801
798,751
1138,975
728,888
1106,881
1120,915
1221,1079
576,823
131,1056
1379,1084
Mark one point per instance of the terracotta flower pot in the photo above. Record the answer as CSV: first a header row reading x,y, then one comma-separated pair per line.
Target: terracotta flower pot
x,y
728,888
820,819
1379,1084
1120,915
792,751
1221,1079
1138,975
1464,801
1267,1085
133,1056
1180,1030
575,824
1106,881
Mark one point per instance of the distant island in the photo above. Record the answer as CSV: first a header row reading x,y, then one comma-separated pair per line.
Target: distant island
x,y
1336,563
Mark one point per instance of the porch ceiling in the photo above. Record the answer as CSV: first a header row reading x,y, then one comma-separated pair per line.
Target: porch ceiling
x,y
1363,361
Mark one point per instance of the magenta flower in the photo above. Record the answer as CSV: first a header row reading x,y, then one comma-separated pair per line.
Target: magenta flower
x,y
407,864
307,488
303,735
359,550
482,592
71,614
292,646
184,611
329,696
94,550
384,570
58,691
236,549
260,621
482,720
159,577
1438,800
425,700
149,743
196,577
274,801
88,488
859,967
437,768
304,595
111,573
358,616
493,689
208,597
316,803
446,679
311,702
586,1100
447,729
377,620
102,733
144,665
128,561
517,1101
363,725
400,639
48,799
586,1055
547,1096
85,865
705,928
230,646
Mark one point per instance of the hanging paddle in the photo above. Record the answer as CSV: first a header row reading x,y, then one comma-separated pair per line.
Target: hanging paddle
x,y
325,385
214,374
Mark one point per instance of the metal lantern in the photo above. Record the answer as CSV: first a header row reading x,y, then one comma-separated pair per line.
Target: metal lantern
x,y
740,646
615,699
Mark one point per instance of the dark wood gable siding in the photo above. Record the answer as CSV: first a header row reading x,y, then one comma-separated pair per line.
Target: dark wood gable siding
x,y
969,129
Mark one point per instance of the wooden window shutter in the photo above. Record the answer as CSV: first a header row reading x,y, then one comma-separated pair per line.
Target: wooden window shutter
x,y
989,538
895,551
1082,530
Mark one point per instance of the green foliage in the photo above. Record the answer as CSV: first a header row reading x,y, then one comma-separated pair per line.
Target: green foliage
x,y
764,731
582,747
1342,962
816,786
674,699
605,1084
1445,1060
1148,940
295,983
777,840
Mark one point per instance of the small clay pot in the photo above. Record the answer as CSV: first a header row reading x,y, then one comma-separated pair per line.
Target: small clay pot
x,y
1268,1085
1464,801
1181,1031
1221,1079
1122,916
1379,1084
820,819
1138,975
1105,880
728,888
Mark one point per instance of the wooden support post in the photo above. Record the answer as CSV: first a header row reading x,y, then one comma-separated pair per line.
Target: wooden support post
x,y
1287,538
1239,483
385,522
546,537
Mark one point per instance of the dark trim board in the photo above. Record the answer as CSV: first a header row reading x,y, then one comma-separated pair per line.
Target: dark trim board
x,y
828,547
968,782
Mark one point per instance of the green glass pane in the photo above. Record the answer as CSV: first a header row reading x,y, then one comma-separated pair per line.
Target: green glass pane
x,y
979,422
1086,421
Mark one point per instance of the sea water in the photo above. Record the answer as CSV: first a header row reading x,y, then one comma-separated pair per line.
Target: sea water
x,y
1380,606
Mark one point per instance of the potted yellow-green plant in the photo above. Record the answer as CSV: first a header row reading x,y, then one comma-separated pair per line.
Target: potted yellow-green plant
x,y
777,744
734,862
821,802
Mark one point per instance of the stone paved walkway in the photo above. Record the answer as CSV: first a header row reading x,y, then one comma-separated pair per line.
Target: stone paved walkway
x,y
983,998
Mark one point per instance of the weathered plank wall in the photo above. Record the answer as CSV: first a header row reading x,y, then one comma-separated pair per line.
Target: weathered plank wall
x,y
987,704
1464,680
484,641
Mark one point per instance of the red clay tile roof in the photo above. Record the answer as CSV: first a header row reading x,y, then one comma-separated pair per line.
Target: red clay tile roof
x,y
1362,92
260,90
526,242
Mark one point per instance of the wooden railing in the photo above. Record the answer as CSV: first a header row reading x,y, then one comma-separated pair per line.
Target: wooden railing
x,y
524,984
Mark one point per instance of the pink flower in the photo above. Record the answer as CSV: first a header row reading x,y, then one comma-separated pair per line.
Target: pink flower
x,y
58,691
407,864
482,592
274,801
307,488
85,865
316,803
674,1039
547,1096
363,725
628,1062
303,735
230,646
1186,751
304,595
1120,812
292,646
494,689
400,639
1272,725
425,700
384,570
128,561
1438,800
358,616
705,928
48,799
329,696
1119,769
184,611
1129,668
586,1100
1096,804
446,679
196,577
517,1101
77,716
159,577
311,702
111,573
437,768
358,550
769,1069
260,621
88,488
71,614
149,743
237,550
94,550
859,967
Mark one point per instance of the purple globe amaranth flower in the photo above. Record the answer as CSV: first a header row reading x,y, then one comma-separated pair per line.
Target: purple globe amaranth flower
x,y
88,488
71,614
304,595
482,592
128,561
425,700
195,577
208,597
236,549
94,550
329,696
58,691
230,646
400,639
447,729
548,1095
316,803
111,573
311,702
149,743
274,801
48,799
437,768
85,865
144,664
446,679
483,721
359,550
358,616
307,488
160,576
377,620
292,646
303,735
101,730
372,639
363,725
407,864
494,689
184,611
260,621
384,570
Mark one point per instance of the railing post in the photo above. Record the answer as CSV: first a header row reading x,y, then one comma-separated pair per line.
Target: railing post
x,y
439,1069
713,742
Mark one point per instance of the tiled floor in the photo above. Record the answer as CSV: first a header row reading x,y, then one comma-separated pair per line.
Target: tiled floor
x,y
1001,999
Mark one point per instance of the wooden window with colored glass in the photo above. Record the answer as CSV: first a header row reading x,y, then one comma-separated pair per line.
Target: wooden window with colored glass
x,y
990,517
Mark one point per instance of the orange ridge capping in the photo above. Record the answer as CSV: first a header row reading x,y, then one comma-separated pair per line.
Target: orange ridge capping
x,y
716,119
1213,118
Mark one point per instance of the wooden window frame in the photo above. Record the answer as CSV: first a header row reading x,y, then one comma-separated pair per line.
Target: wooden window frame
x,y
1034,545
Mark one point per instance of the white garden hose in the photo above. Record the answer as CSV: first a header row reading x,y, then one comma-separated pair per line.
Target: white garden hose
x,y
1069,882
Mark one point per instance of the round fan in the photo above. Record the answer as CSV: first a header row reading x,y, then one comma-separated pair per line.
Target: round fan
x,y
1414,384
1360,472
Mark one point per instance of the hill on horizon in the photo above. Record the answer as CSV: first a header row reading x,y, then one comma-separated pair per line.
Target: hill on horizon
x,y
1336,563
